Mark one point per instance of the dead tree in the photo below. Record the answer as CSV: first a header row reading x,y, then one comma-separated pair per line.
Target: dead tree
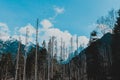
x,y
69,65
17,60
49,60
71,41
25,55
77,40
70,52
52,53
63,58
56,49
36,66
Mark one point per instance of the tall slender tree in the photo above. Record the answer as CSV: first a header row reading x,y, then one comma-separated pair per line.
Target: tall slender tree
x,y
61,51
69,65
56,48
36,66
64,57
71,42
77,40
48,56
25,55
52,54
17,60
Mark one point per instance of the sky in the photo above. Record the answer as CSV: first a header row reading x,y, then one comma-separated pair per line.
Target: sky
x,y
61,18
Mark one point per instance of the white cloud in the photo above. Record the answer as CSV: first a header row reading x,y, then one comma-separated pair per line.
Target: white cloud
x,y
65,35
23,38
45,33
59,10
57,33
31,30
83,41
4,31
46,23
4,27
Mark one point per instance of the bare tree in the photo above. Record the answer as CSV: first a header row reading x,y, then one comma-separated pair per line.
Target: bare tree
x,y
52,54
64,57
77,40
25,55
69,65
106,23
36,50
61,49
71,42
56,48
17,60
49,60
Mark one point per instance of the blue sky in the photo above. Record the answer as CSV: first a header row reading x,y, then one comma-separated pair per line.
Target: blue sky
x,y
77,17
61,18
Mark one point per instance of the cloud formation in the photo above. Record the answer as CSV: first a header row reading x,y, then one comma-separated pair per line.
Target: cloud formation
x,y
59,10
4,31
46,23
45,33
31,32
30,28
66,36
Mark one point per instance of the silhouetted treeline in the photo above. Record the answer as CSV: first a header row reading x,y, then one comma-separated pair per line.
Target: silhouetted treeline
x,y
101,59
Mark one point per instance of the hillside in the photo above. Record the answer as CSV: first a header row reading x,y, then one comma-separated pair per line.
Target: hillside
x,y
100,60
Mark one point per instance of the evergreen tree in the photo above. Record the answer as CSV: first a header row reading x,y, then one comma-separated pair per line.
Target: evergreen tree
x,y
93,37
117,25
116,50
6,67
44,44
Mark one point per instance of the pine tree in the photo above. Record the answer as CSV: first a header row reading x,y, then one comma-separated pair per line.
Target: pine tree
x,y
6,66
117,25
44,44
93,37
116,50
